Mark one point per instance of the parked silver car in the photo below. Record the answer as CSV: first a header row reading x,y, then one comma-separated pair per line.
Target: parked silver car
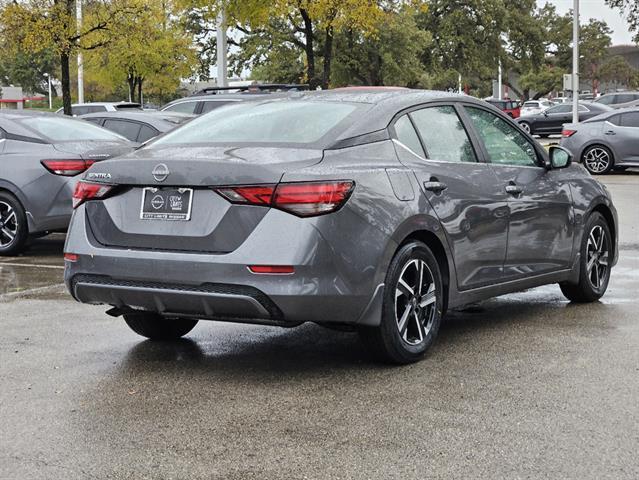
x,y
605,142
374,209
41,159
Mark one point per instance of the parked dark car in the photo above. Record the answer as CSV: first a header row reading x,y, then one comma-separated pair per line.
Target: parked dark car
x,y
207,99
605,142
373,209
509,107
138,126
550,121
41,159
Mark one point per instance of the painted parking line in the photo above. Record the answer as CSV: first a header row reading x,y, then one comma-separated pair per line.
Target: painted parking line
x,y
13,264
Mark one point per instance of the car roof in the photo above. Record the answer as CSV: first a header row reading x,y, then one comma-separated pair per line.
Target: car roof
x,y
105,103
10,121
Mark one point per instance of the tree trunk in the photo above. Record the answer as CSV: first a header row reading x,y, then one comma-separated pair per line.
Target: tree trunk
x,y
309,49
328,57
139,82
130,80
65,83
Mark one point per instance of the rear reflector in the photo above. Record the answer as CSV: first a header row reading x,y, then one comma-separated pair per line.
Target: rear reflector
x,y
67,168
304,199
71,257
89,191
272,269
568,133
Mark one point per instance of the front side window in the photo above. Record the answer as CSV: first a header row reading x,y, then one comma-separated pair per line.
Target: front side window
x,y
407,135
559,109
606,99
443,134
505,144
630,119
212,105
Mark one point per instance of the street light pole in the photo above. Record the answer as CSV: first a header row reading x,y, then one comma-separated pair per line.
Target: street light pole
x,y
49,82
499,81
220,36
78,13
575,62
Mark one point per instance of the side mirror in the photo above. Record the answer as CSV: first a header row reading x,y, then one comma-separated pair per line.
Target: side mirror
x,y
559,157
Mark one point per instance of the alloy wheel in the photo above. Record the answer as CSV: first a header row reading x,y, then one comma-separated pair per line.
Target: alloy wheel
x,y
8,224
525,127
415,302
597,160
597,256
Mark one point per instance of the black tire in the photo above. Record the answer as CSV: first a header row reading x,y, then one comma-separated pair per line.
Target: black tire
x,y
525,126
587,290
156,327
597,159
14,231
386,341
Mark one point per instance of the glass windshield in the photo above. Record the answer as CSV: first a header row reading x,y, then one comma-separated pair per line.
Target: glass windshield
x,y
60,129
286,121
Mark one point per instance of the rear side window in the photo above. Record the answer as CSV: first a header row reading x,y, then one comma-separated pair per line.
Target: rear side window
x,y
606,99
630,119
505,144
443,134
182,107
212,105
560,109
79,110
282,121
407,135
623,98
128,130
146,132
97,121
531,104
96,108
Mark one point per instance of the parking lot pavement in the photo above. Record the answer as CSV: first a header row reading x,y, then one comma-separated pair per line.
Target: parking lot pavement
x,y
523,386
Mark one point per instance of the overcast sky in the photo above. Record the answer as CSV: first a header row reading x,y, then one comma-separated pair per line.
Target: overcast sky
x,y
597,9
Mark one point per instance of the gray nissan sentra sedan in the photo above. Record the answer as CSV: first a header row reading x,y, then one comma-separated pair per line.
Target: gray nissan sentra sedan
x,y
376,209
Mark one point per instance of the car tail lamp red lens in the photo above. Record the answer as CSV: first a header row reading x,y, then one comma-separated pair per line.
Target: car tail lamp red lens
x,y
89,191
67,168
71,257
272,269
304,199
568,133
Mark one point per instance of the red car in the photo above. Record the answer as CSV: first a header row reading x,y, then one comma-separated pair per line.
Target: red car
x,y
509,107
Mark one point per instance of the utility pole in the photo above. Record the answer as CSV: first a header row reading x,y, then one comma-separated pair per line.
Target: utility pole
x,y
78,14
575,62
220,36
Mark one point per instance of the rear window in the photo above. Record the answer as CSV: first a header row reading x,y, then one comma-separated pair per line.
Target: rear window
x,y
531,104
60,129
128,106
301,122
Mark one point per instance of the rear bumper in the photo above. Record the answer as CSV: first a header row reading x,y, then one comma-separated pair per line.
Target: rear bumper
x,y
329,284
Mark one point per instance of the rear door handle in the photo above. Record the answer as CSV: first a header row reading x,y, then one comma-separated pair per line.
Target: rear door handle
x,y
435,186
610,132
514,189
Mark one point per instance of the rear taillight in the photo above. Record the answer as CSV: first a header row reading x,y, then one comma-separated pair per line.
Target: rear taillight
x,y
568,133
89,191
67,168
304,199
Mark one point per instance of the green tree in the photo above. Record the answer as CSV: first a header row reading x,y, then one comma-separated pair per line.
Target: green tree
x,y
37,25
630,9
28,70
618,71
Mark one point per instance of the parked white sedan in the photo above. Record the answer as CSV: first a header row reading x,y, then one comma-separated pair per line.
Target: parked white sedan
x,y
533,107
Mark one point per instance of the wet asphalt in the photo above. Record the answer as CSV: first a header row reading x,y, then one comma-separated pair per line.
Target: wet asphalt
x,y
522,386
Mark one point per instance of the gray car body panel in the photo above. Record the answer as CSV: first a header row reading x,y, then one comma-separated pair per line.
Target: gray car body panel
x,y
622,141
45,197
340,259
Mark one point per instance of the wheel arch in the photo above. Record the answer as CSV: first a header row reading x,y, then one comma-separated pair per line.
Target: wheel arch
x,y
432,241
605,211
597,143
14,191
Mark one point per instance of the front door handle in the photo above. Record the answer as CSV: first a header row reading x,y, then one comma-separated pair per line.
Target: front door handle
x,y
435,186
514,189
